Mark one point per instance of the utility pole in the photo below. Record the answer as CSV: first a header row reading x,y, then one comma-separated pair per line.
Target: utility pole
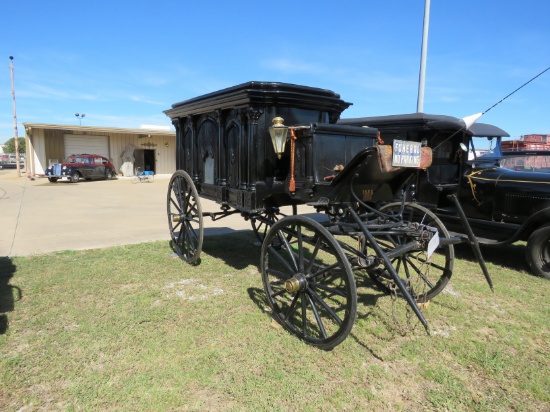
x,y
422,76
15,120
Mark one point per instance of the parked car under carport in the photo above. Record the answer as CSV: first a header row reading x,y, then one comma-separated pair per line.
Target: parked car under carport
x,y
86,166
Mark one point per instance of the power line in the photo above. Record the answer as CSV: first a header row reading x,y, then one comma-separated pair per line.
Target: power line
x,y
520,87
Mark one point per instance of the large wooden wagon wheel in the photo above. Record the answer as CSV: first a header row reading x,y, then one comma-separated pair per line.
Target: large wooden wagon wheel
x,y
263,222
425,277
308,281
185,217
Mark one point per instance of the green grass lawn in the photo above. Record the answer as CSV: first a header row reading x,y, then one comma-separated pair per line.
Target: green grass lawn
x,y
132,328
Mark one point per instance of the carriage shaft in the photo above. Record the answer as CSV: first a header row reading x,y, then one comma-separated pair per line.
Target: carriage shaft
x,y
391,270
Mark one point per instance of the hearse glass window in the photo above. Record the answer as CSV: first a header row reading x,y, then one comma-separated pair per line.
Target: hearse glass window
x,y
209,170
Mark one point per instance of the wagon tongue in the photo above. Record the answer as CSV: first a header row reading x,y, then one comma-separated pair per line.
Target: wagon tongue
x,y
472,240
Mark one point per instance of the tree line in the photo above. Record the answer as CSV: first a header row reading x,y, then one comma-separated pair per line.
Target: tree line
x,y
9,146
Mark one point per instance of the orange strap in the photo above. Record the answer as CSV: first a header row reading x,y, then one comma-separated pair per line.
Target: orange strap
x,y
292,184
380,141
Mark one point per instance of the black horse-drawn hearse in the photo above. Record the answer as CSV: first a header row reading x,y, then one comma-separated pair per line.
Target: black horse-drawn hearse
x,y
259,146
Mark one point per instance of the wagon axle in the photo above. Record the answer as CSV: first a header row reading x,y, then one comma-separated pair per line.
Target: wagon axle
x,y
296,284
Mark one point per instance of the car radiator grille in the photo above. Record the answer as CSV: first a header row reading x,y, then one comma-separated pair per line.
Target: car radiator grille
x,y
518,205
57,169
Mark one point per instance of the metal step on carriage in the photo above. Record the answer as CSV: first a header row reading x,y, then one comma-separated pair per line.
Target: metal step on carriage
x,y
231,149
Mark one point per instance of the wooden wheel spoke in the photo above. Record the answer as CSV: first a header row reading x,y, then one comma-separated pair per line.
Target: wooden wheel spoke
x,y
325,306
176,206
300,249
278,274
317,317
176,227
313,255
419,272
324,270
304,317
326,288
290,250
281,259
292,308
278,293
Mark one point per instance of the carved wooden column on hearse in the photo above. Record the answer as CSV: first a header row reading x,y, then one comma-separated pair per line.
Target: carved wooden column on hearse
x,y
243,151
189,147
221,161
255,146
233,136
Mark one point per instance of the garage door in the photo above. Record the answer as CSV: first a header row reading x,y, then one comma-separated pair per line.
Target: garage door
x,y
86,144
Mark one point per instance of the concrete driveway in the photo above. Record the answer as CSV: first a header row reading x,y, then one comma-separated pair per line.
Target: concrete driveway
x,y
38,216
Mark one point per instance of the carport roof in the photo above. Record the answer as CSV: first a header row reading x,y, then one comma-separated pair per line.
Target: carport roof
x,y
139,132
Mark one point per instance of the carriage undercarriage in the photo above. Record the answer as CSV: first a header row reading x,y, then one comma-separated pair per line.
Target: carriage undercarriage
x,y
309,267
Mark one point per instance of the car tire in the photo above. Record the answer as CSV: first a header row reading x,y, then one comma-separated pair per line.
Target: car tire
x,y
52,179
75,177
108,175
538,252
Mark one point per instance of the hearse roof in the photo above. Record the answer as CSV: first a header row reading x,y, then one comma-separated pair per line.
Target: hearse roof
x,y
261,94
424,121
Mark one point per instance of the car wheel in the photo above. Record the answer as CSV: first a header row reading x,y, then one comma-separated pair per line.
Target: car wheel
x,y
52,179
75,177
108,175
538,252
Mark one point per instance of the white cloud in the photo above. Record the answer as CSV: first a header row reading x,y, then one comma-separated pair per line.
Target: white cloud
x,y
291,66
140,99
39,91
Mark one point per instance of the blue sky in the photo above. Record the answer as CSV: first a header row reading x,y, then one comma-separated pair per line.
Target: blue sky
x,y
123,63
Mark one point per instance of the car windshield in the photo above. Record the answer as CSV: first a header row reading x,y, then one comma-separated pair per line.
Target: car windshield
x,y
73,159
484,149
533,162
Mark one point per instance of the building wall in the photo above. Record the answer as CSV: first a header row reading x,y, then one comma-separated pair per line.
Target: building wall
x,y
47,144
54,145
38,146
165,157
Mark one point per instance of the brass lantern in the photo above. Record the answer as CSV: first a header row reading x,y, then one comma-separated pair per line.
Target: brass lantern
x,y
278,134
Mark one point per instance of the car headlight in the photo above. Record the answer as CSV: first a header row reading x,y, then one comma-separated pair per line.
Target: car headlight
x,y
64,167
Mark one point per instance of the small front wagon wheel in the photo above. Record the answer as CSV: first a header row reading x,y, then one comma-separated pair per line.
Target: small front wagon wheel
x,y
308,281
425,277
185,217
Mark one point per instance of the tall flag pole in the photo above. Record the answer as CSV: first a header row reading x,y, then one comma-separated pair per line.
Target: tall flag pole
x,y
16,137
423,57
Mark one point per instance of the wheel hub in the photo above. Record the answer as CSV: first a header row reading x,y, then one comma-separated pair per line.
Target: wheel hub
x,y
295,284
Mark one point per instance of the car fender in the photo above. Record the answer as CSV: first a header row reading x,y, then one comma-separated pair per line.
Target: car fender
x,y
537,220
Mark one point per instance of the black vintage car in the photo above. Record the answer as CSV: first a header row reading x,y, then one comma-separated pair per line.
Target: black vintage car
x,y
503,205
526,160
